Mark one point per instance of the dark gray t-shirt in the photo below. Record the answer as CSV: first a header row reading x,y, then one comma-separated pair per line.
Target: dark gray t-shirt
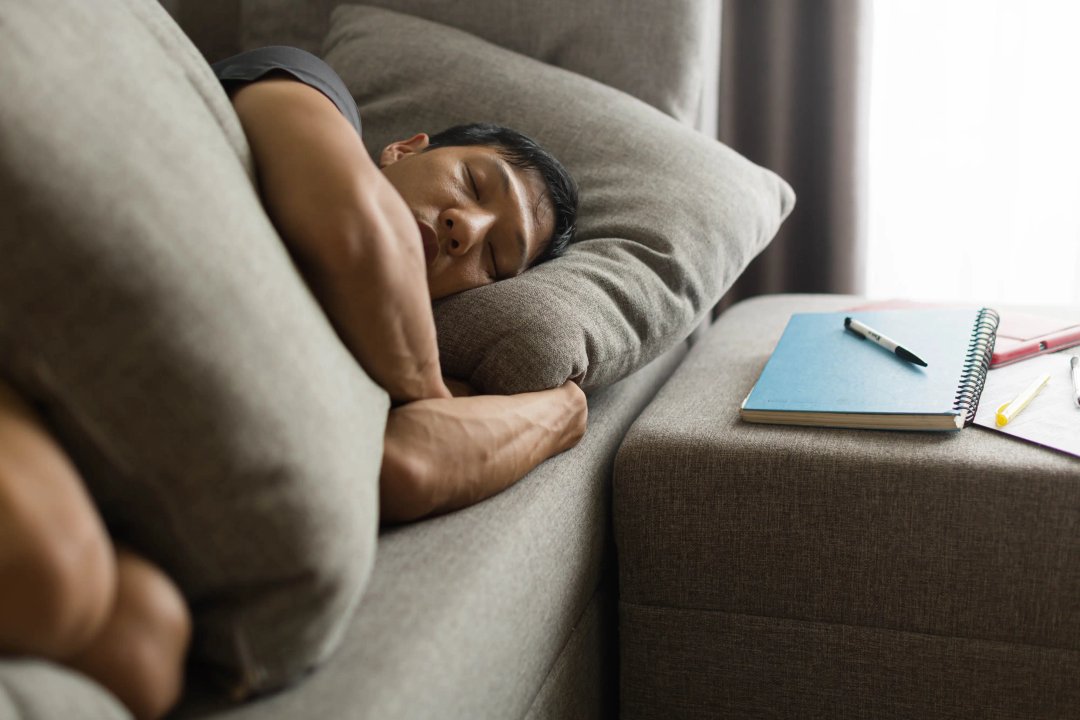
x,y
300,64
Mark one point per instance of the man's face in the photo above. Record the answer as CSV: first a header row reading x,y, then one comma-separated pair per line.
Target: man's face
x,y
481,219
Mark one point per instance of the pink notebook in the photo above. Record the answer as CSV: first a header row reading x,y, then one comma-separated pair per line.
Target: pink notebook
x,y
1021,336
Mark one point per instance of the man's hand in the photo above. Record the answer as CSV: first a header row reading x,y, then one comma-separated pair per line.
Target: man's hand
x,y
441,455
349,231
577,414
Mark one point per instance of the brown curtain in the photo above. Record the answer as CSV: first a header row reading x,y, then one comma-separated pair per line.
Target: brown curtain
x,y
793,98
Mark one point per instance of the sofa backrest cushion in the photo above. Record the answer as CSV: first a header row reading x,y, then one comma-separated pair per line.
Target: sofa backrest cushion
x,y
149,309
600,39
669,218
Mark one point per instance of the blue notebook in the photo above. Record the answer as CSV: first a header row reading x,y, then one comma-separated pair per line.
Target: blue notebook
x,y
821,374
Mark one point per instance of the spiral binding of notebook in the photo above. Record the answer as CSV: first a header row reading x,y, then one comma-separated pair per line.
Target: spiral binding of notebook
x,y
976,364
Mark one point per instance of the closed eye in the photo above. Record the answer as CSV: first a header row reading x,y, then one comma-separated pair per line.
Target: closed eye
x,y
472,182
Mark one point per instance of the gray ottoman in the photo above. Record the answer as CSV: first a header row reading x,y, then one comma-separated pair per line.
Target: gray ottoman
x,y
771,571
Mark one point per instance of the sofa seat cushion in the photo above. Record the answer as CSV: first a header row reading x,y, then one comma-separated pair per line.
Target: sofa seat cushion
x,y
466,614
850,573
669,218
148,307
32,689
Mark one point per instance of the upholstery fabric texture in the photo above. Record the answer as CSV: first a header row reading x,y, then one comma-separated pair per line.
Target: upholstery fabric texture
x,y
583,681
149,309
38,690
579,36
470,615
969,537
668,220
702,664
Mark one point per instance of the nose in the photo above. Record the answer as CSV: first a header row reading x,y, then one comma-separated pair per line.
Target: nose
x,y
462,229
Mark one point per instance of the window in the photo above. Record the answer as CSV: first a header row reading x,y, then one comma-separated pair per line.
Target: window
x,y
975,151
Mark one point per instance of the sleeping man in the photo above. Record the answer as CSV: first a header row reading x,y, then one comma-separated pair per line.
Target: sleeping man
x,y
376,244
464,208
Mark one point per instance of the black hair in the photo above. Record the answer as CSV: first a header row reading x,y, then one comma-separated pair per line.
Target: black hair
x,y
523,152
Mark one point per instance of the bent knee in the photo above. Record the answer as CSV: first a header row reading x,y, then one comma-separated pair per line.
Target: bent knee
x,y
153,599
140,655
56,561
60,584
160,650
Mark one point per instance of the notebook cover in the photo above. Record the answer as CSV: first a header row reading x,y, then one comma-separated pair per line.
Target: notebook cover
x,y
1022,336
819,367
1019,335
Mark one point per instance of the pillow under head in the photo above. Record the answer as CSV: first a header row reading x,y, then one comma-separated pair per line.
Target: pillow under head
x,y
669,218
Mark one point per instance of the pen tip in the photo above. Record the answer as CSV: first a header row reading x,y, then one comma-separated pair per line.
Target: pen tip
x,y
910,356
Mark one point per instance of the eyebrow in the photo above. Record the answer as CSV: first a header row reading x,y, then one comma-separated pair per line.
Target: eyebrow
x,y
523,247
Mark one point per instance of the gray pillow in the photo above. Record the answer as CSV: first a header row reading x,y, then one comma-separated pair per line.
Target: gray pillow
x,y
150,310
595,38
669,218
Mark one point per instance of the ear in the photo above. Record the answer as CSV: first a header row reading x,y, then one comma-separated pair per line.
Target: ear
x,y
397,150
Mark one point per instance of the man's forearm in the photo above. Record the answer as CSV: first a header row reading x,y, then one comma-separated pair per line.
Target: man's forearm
x,y
348,229
378,302
442,455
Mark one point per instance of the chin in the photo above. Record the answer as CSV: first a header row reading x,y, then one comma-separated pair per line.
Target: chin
x,y
433,291
437,293
436,296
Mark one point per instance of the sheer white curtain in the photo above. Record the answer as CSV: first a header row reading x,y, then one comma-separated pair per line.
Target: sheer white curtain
x,y
974,151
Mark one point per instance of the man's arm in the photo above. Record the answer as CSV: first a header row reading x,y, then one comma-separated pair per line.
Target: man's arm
x,y
442,455
349,231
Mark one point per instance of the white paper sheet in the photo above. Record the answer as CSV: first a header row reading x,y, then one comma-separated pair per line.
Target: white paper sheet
x,y
1053,417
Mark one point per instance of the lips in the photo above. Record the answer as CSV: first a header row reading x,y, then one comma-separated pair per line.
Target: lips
x,y
429,240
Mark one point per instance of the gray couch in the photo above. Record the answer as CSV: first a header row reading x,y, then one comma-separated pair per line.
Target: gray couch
x,y
503,610
676,563
822,573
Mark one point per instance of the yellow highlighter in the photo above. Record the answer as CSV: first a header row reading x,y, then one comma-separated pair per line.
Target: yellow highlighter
x,y
1009,410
